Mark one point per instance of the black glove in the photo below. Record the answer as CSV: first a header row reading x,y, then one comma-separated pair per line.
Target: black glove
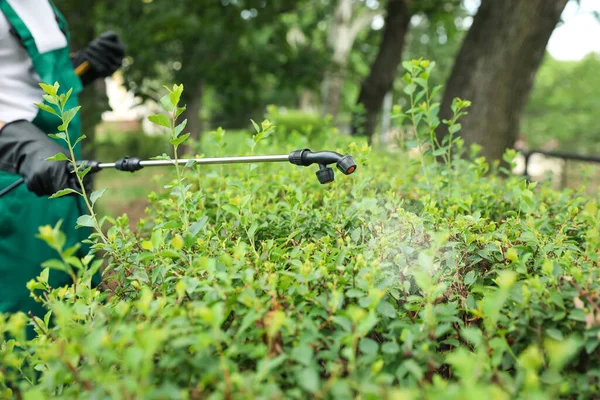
x,y
104,54
24,149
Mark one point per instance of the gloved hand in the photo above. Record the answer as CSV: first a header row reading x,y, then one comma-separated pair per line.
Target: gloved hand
x,y
24,149
104,54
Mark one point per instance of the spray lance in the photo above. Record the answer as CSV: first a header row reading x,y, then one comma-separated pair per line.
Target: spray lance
x,y
304,158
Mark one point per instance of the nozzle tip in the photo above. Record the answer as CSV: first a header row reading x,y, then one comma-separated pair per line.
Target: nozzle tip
x,y
325,175
346,165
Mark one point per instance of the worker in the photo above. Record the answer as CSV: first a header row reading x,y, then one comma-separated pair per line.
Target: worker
x,y
34,48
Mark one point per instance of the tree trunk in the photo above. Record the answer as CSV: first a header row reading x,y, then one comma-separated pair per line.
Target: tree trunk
x,y
346,25
495,69
384,69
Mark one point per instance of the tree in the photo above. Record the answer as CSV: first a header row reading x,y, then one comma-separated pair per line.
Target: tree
x,y
495,69
240,50
349,19
384,68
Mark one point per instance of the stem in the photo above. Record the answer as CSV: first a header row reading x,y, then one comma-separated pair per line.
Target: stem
x,y
415,126
179,177
82,186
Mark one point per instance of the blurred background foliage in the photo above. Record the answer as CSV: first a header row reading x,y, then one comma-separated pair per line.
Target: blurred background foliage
x,y
309,58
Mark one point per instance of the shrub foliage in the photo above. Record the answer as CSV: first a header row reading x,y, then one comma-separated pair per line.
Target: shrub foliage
x,y
409,279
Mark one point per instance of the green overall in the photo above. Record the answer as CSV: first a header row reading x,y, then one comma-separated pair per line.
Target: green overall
x,y
21,211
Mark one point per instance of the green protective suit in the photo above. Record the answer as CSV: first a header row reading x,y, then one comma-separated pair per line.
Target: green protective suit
x,y
22,212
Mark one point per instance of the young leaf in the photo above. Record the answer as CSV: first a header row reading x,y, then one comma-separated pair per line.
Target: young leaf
x,y
160,119
79,139
63,192
54,264
49,89
47,108
180,139
59,135
166,103
58,157
198,225
96,195
180,111
68,116
179,128
256,127
85,220
175,95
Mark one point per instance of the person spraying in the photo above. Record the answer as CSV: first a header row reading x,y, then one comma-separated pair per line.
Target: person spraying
x,y
34,48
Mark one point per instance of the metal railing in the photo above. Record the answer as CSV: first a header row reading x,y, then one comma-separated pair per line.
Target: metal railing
x,y
557,154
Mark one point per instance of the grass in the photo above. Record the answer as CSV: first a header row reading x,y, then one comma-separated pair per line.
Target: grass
x,y
127,192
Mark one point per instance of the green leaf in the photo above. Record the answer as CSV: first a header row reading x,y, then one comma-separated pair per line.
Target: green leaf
x,y
156,238
83,172
256,127
63,192
85,220
175,95
68,116
231,209
58,157
170,254
421,82
561,352
554,334
454,128
198,225
165,101
180,139
49,89
386,309
161,120
47,108
74,261
368,346
96,195
470,278
54,264
472,335
50,99
436,90
407,65
179,128
180,111
79,139
34,394
390,348
308,379
252,230
410,89
59,135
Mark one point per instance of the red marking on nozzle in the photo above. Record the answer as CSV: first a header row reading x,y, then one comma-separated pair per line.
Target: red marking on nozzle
x,y
351,170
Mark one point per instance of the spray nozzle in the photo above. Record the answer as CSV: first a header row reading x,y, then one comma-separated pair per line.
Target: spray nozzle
x,y
325,174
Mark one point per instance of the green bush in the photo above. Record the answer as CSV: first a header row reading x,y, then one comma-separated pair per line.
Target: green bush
x,y
409,279
112,146
297,122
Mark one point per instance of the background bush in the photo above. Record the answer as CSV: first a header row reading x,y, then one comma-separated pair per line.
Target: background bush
x,y
112,146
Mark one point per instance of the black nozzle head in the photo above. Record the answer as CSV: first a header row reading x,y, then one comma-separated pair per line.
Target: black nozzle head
x,y
325,175
347,165
128,164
